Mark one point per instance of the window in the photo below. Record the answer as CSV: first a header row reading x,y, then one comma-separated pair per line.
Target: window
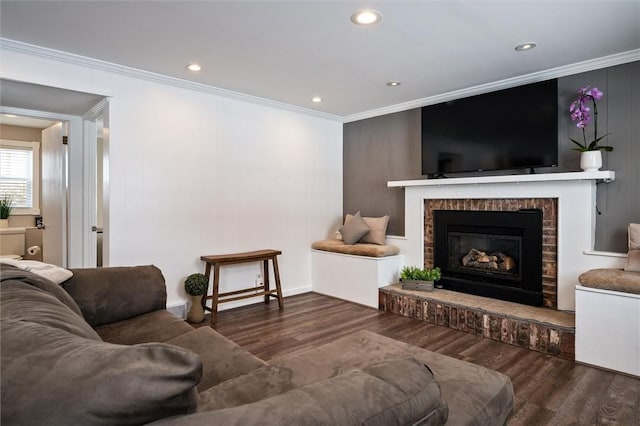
x,y
20,174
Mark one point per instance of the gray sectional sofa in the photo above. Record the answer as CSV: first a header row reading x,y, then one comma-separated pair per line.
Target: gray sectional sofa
x,y
100,349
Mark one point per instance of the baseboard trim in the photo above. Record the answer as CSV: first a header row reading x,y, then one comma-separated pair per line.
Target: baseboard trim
x,y
178,309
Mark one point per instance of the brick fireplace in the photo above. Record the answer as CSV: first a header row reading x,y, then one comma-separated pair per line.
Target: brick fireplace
x,y
569,224
568,205
549,209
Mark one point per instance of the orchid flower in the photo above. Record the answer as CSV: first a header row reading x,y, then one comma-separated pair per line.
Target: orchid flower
x,y
581,113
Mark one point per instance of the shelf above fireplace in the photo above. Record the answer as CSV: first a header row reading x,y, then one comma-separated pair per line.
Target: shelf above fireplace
x,y
604,175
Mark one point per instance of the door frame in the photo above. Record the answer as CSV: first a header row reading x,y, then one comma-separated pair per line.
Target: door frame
x,y
72,250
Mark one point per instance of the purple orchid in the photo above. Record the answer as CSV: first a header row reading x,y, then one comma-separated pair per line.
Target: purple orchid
x,y
581,113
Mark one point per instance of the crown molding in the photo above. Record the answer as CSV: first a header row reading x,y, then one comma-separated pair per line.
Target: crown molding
x,y
584,66
30,49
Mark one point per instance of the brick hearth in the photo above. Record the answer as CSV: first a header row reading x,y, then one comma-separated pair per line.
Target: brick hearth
x,y
533,328
540,329
549,207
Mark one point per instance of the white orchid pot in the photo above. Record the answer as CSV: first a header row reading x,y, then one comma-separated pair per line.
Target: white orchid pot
x,y
591,161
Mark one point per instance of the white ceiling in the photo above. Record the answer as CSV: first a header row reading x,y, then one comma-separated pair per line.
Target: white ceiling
x,y
16,94
290,51
32,99
19,121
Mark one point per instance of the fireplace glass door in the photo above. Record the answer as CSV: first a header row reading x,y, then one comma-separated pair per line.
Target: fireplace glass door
x,y
490,253
485,254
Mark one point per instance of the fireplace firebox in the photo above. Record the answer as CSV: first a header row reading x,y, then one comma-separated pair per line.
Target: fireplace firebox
x,y
490,253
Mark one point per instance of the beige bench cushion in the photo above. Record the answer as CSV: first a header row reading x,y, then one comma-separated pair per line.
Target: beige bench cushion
x,y
612,279
359,249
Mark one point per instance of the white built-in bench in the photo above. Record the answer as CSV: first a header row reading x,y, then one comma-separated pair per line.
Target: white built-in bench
x,y
608,320
354,272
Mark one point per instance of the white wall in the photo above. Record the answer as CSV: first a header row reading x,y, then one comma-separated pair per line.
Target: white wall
x,y
193,173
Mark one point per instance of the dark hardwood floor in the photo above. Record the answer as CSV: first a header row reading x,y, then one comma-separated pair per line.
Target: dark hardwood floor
x,y
549,390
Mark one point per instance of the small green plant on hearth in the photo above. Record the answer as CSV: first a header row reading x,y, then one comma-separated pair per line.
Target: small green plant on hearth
x,y
420,274
6,205
196,284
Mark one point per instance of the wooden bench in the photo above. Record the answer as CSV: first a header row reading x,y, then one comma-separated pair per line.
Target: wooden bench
x,y
234,258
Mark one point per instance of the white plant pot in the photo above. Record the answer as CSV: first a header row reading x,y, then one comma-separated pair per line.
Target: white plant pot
x,y
591,161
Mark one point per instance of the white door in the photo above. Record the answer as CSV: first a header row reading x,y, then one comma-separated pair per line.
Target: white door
x,y
53,196
95,139
93,187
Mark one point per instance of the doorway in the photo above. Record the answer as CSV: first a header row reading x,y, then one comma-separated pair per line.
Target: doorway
x,y
70,107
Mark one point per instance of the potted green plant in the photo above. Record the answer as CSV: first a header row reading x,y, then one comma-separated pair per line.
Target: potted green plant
x,y
591,152
196,287
415,278
6,205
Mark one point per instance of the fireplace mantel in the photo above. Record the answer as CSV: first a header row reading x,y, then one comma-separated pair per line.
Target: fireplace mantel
x,y
576,195
605,175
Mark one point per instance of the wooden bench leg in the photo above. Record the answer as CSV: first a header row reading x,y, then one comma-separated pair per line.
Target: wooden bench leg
x,y
207,273
214,299
265,279
276,273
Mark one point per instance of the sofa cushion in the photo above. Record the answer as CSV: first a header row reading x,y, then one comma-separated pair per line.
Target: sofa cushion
x,y
11,273
156,326
22,302
377,229
31,298
474,394
50,376
106,295
222,359
393,392
353,229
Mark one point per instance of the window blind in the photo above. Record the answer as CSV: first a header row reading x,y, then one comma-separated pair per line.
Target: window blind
x,y
16,175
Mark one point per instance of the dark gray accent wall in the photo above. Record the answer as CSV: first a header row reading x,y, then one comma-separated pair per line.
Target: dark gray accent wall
x,y
619,201
376,151
385,148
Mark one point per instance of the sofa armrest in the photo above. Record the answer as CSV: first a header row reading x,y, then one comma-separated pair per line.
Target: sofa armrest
x,y
107,295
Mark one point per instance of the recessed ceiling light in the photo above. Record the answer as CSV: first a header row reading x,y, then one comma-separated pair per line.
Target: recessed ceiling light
x,y
393,83
316,99
10,115
525,46
366,17
194,67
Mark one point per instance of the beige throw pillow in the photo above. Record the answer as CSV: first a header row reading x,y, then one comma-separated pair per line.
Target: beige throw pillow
x,y
378,229
633,257
353,229
634,236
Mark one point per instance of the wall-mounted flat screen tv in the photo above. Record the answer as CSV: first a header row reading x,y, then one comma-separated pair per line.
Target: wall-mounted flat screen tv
x,y
515,128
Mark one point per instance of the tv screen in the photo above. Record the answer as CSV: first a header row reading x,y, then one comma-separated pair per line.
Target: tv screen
x,y
514,128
